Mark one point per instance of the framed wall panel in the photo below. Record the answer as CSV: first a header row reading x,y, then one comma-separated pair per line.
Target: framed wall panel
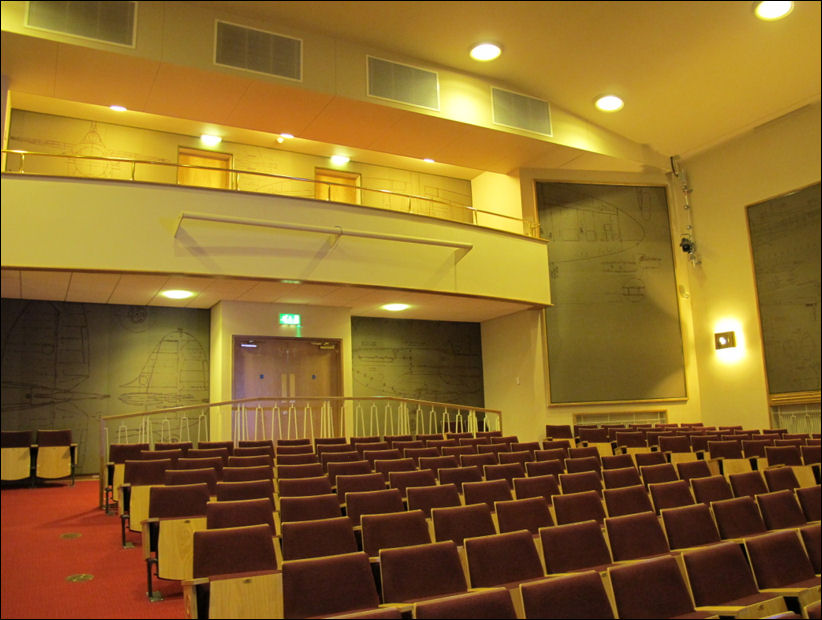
x,y
613,331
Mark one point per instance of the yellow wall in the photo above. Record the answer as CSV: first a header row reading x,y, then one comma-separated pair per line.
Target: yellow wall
x,y
773,159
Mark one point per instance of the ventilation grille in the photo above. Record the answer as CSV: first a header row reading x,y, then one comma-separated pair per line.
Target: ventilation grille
x,y
111,22
259,51
521,112
404,84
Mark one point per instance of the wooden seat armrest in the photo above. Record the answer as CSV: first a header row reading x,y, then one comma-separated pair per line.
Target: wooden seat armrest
x,y
761,609
149,528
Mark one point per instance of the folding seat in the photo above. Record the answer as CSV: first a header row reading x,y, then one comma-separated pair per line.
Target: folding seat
x,y
582,481
293,449
574,546
582,595
364,439
576,507
727,456
487,492
427,436
502,559
635,536
459,475
302,458
335,584
689,526
138,478
255,489
392,439
456,451
652,437
421,571
235,575
472,442
748,483
310,470
652,474
811,502
197,463
345,455
520,458
644,459
478,460
153,455
15,448
440,443
711,489
536,486
241,450
372,502
309,508
174,514
255,443
240,513
317,538
361,446
721,578
434,496
435,463
813,545
416,453
245,474
403,445
487,603
811,454
493,449
385,466
630,442
55,455
295,487
554,432
543,468
175,477
334,469
292,444
790,456
459,522
401,480
693,469
505,439
358,482
627,500
394,529
382,455
653,588
118,454
529,514
262,460
558,444
575,465
552,454
617,461
738,517
488,434
754,451
780,509
671,495
530,446
185,446
584,452
780,478
781,565
207,453
504,471
622,477
596,438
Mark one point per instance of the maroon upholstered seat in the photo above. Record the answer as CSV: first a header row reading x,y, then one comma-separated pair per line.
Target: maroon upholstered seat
x,y
621,477
779,478
401,480
501,559
523,514
488,603
711,489
317,538
294,487
459,475
309,507
574,546
254,489
780,509
487,491
738,517
627,500
545,486
394,529
434,496
689,526
233,550
240,513
359,482
359,503
810,499
636,536
421,571
261,460
671,494
208,475
244,474
572,596
779,560
458,522
813,545
576,507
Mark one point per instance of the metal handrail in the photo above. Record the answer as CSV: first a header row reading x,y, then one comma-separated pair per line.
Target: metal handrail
x,y
529,228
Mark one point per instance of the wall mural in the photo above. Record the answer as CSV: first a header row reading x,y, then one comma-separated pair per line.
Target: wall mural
x,y
65,365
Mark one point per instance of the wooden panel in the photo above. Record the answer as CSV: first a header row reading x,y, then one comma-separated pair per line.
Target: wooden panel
x,y
15,463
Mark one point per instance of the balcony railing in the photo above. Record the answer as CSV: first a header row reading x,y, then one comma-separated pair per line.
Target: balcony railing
x,y
124,169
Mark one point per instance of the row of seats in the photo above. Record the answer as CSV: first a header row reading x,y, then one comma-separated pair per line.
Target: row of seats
x,y
44,455
440,579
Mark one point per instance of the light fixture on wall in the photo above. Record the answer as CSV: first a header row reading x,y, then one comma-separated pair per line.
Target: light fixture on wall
x,y
340,160
210,140
771,11
725,340
118,108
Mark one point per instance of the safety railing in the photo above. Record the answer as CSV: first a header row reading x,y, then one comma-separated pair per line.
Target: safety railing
x,y
124,169
273,418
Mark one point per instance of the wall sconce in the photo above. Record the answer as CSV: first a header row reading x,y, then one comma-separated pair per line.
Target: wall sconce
x,y
725,340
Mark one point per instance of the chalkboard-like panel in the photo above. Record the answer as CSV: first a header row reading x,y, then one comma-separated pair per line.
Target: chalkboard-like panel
x,y
613,332
785,242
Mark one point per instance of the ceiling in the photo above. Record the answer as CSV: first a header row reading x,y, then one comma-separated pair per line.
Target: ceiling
x,y
692,74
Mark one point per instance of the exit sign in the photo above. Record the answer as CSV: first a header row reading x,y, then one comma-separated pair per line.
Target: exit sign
x,y
290,319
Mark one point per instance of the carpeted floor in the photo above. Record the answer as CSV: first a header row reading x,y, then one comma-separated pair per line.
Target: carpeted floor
x,y
53,532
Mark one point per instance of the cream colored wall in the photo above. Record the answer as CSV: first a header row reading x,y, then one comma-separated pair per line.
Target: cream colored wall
x,y
774,159
234,318
498,195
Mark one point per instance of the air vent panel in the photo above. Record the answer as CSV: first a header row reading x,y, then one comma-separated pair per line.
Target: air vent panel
x,y
111,22
403,83
259,51
521,112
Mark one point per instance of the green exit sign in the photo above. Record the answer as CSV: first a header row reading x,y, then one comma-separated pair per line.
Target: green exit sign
x,y
290,319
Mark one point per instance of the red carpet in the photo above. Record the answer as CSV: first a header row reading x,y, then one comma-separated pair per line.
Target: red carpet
x,y
37,558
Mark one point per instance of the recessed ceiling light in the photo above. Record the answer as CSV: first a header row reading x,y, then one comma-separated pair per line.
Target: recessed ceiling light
x,y
118,108
395,307
609,103
210,140
340,160
287,136
485,52
428,160
177,294
770,11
